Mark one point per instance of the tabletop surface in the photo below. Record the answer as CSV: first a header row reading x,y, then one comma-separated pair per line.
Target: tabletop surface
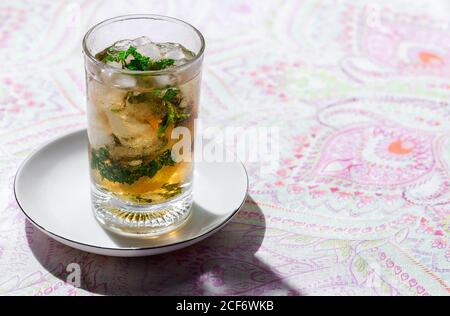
x,y
359,92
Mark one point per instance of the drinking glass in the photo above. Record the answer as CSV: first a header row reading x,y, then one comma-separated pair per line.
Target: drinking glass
x,y
141,185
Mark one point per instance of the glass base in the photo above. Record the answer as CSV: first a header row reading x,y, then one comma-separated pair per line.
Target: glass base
x,y
140,220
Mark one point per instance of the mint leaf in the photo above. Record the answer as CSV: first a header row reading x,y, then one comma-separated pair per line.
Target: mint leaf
x,y
171,99
115,171
170,94
162,64
168,119
139,61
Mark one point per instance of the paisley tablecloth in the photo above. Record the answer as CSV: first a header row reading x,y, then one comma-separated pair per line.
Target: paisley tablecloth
x,y
360,92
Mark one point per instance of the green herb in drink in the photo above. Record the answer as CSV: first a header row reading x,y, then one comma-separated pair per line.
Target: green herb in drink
x,y
174,114
117,171
139,61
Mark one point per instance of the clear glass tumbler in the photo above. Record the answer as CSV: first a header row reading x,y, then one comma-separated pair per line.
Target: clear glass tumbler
x,y
141,185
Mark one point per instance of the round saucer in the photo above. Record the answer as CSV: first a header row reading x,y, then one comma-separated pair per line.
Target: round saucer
x,y
53,190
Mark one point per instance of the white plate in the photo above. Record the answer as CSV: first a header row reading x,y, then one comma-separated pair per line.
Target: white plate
x,y
52,189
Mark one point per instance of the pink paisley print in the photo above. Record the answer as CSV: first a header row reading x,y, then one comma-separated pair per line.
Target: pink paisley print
x,y
378,155
359,91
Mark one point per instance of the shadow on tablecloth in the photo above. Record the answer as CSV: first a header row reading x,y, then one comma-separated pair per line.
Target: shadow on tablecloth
x,y
224,264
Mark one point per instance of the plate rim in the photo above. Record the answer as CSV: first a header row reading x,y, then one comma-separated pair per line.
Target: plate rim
x,y
124,249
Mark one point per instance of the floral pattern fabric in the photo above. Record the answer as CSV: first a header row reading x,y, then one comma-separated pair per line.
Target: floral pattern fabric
x,y
360,92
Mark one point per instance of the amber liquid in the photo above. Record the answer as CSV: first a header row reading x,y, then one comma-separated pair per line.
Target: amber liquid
x,y
130,132
166,184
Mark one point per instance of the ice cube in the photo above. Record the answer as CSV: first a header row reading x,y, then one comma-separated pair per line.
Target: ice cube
x,y
123,81
121,45
150,50
114,78
141,41
155,51
104,97
98,135
114,64
179,62
175,52
163,81
164,48
115,48
132,131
